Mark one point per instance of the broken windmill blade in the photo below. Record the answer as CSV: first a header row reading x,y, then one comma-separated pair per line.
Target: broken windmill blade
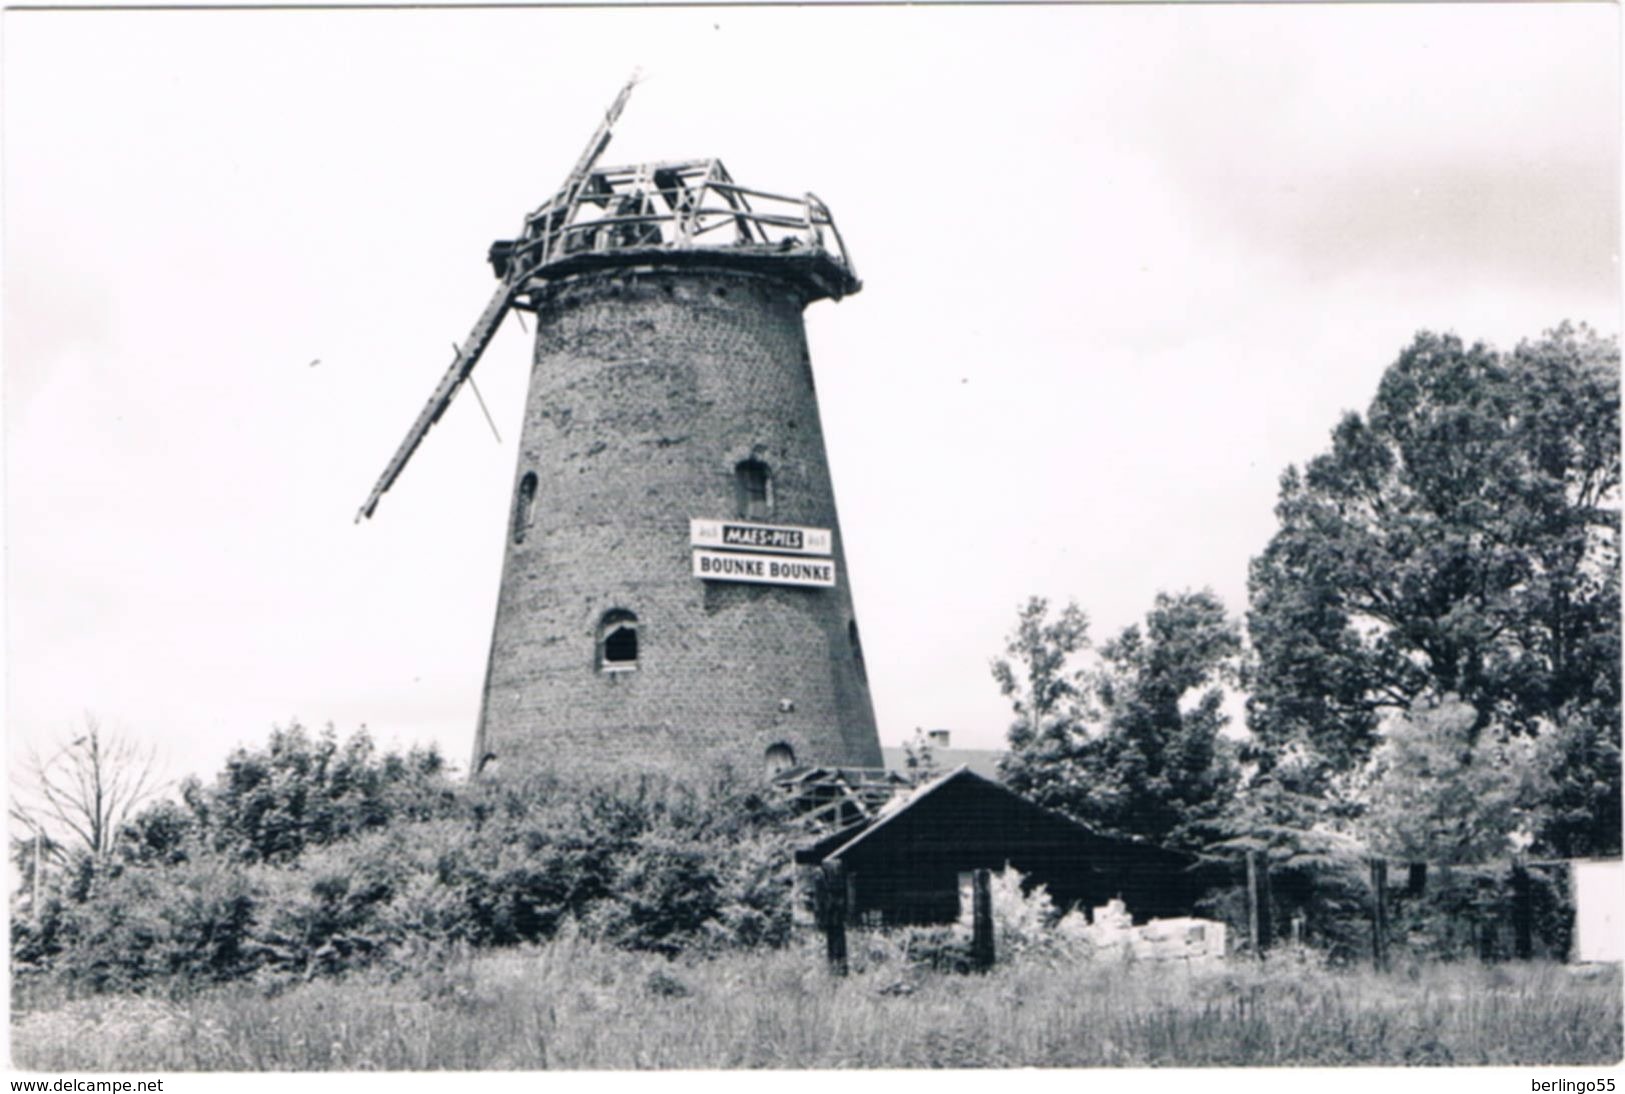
x,y
519,260
600,139
541,225
467,357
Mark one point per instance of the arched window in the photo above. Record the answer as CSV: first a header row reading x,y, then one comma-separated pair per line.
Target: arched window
x,y
488,764
618,641
857,650
523,506
753,489
780,758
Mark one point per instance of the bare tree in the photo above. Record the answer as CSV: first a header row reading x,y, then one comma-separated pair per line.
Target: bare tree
x,y
82,792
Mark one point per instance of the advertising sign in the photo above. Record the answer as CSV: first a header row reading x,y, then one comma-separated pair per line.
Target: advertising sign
x,y
740,535
763,569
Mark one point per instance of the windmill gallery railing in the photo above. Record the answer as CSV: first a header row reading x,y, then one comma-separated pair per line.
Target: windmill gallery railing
x,y
682,210
691,205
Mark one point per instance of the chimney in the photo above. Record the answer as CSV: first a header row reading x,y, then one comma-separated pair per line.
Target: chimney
x,y
938,738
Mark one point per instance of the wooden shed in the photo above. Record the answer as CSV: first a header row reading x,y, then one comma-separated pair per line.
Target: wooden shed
x,y
905,865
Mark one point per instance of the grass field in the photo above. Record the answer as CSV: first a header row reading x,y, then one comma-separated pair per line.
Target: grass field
x,y
575,1005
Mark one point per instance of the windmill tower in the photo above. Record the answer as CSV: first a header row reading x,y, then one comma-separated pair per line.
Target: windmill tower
x,y
674,594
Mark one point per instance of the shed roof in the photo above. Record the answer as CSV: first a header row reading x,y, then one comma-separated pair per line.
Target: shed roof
x,y
975,815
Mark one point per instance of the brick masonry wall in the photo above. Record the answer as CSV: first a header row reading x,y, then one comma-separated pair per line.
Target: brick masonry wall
x,y
648,388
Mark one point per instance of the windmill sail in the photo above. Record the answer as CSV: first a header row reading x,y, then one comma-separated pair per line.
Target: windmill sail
x,y
599,142
514,278
468,355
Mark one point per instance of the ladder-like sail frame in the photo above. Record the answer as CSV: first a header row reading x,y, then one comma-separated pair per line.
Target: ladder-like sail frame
x,y
540,224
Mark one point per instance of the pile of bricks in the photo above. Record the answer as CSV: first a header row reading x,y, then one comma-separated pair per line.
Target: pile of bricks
x,y
1112,931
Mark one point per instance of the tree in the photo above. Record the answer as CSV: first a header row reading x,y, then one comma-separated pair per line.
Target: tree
x,y
1578,757
1435,790
269,804
78,796
1462,538
919,758
1046,690
1294,814
1131,745
1035,675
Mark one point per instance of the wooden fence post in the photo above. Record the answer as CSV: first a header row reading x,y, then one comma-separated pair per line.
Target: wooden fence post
x,y
981,936
1485,893
1266,906
831,904
1523,941
1379,913
1255,906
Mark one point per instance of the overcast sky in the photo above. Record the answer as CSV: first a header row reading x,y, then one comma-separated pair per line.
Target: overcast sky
x,y
1122,266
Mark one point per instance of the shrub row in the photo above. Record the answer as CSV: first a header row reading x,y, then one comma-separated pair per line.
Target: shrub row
x,y
642,865
1451,913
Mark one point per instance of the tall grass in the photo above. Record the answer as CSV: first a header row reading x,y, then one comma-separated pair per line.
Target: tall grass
x,y
573,1004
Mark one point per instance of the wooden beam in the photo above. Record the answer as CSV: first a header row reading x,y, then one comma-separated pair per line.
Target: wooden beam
x,y
1379,913
1252,905
831,904
1523,914
755,193
1266,906
981,939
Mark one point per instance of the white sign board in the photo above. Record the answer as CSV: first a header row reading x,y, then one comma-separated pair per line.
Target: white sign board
x,y
763,569
740,535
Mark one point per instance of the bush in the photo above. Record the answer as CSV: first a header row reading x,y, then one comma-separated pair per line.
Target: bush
x,y
325,914
644,866
1462,913
269,804
1466,912
940,949
159,835
179,926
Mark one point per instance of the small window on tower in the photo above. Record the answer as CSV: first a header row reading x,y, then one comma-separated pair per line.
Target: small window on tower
x,y
780,758
753,487
523,506
618,641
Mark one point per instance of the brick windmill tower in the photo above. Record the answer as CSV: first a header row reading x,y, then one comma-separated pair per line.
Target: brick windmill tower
x,y
674,595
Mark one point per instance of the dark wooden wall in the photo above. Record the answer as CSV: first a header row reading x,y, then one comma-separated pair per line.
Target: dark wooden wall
x,y
907,869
